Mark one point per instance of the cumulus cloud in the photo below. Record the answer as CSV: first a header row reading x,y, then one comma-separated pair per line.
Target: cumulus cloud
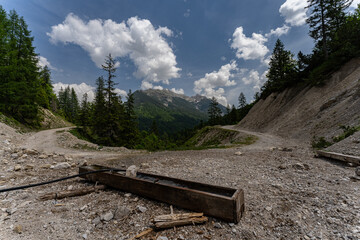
x,y
254,78
249,48
178,91
207,85
355,3
137,38
294,12
278,31
83,88
44,62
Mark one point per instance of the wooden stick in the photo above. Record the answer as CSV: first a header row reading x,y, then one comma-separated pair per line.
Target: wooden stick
x,y
143,233
72,193
181,222
173,220
173,217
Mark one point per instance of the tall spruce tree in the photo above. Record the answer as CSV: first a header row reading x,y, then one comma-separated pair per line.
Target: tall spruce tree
x,y
282,68
131,131
84,113
74,106
98,119
242,100
214,112
326,16
18,69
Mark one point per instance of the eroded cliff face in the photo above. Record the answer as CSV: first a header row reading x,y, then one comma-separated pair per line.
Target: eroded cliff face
x,y
312,111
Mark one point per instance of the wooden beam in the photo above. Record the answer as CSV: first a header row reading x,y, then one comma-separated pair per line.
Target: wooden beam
x,y
338,156
221,202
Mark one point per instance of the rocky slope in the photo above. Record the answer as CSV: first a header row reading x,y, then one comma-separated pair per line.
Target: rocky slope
x,y
303,113
289,194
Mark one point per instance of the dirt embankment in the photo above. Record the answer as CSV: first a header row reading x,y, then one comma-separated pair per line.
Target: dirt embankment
x,y
313,111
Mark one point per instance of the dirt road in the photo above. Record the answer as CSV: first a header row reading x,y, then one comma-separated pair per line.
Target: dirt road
x,y
289,194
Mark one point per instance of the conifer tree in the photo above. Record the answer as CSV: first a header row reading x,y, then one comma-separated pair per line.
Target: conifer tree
x,y
74,106
242,100
282,68
18,69
214,112
131,131
84,114
326,16
98,120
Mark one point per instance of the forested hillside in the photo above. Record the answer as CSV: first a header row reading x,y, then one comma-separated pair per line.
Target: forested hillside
x,y
315,95
24,86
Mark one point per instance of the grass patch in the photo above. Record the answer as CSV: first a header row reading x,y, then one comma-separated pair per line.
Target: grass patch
x,y
21,128
215,137
321,142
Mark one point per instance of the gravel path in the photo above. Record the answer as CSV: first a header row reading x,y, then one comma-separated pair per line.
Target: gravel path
x,y
289,194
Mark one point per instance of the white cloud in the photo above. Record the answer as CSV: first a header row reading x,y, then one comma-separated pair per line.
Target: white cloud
x,y
294,12
223,58
249,48
136,38
178,91
255,79
207,85
355,3
278,31
187,13
44,62
189,74
83,88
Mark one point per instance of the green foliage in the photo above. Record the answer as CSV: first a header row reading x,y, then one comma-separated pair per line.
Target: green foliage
x,y
282,70
210,137
347,132
69,104
319,143
242,100
214,112
23,85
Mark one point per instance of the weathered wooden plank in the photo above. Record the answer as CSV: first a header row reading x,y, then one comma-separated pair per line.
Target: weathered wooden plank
x,y
338,156
220,202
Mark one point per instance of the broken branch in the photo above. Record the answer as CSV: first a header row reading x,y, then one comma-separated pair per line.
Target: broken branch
x,y
173,220
72,193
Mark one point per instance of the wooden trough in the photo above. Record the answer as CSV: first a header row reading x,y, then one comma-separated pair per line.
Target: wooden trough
x,y
220,202
341,157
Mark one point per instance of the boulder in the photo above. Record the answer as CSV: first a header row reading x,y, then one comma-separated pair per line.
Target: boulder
x,y
131,171
62,165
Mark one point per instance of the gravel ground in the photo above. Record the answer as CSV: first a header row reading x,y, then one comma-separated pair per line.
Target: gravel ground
x,y
289,194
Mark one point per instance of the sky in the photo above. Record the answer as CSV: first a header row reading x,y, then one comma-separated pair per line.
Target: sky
x,y
208,47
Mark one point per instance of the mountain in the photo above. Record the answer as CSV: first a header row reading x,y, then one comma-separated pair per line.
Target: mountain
x,y
171,111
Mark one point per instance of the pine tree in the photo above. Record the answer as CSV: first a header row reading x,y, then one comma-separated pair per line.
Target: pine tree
x,y
98,119
326,16
73,106
18,69
242,100
84,113
131,131
214,112
282,68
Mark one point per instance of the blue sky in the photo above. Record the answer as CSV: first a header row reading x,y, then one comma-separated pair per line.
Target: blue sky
x,y
208,47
